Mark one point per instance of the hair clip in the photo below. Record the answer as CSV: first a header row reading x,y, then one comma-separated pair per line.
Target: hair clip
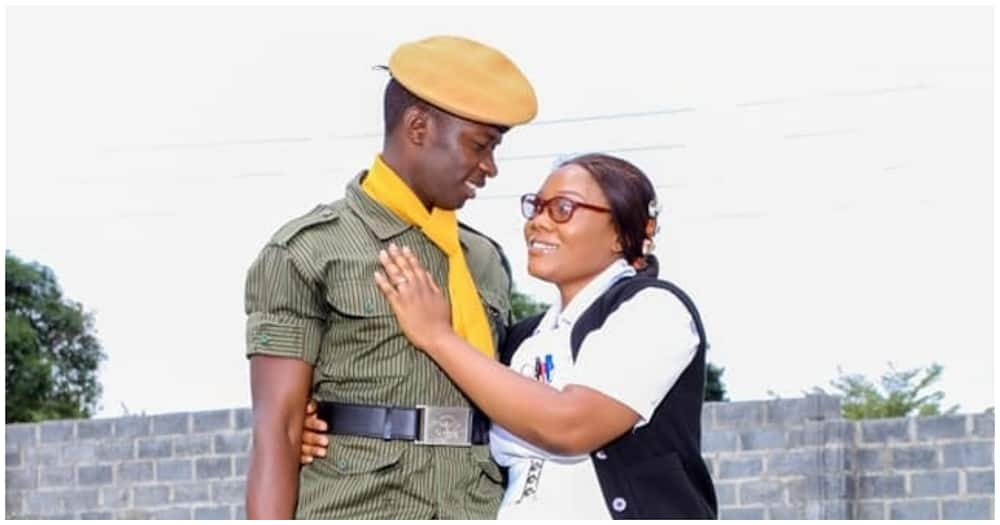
x,y
653,209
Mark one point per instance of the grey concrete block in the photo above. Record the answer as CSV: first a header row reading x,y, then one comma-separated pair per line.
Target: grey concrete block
x,y
982,425
725,493
232,443
793,462
868,459
84,452
933,484
56,431
740,468
13,459
828,510
97,515
168,424
213,468
868,511
20,435
884,430
966,509
243,419
741,513
213,513
117,450
968,454
243,462
196,445
212,421
42,456
135,471
720,441
43,503
822,433
132,426
979,482
787,412
767,492
739,414
174,470
172,513
914,510
56,477
21,479
191,493
814,487
79,500
116,497
881,487
834,459
762,439
229,491
155,447
940,427
150,495
133,514
786,513
14,503
914,458
93,429
240,512
94,475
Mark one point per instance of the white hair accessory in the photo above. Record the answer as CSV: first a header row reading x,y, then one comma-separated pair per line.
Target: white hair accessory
x,y
654,209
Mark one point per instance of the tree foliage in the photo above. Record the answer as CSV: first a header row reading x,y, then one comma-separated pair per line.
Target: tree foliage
x,y
899,393
52,353
715,390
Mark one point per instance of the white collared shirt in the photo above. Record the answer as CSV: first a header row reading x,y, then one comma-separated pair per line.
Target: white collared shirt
x,y
635,358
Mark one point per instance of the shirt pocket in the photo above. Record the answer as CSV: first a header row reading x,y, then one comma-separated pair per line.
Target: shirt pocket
x,y
364,342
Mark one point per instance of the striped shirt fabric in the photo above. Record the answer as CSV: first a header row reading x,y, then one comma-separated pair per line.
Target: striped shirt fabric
x,y
310,295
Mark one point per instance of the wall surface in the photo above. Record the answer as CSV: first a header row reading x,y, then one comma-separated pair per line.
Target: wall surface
x,y
784,458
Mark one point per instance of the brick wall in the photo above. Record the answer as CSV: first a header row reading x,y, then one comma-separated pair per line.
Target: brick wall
x,y
786,458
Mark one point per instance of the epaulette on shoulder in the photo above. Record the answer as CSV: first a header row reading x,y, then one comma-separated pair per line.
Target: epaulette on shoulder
x,y
322,213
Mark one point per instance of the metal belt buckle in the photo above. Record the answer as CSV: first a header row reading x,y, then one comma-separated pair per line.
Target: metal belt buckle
x,y
445,426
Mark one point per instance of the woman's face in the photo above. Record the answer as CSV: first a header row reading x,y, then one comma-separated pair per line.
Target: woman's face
x,y
570,254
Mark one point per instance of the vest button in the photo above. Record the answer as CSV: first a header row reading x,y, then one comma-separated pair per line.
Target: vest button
x,y
619,504
601,455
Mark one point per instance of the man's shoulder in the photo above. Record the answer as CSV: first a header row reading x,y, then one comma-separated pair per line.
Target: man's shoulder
x,y
302,227
485,252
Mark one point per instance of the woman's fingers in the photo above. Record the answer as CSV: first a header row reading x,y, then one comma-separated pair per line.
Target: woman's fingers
x,y
386,287
392,270
407,276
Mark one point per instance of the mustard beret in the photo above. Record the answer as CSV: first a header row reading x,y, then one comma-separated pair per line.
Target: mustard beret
x,y
466,78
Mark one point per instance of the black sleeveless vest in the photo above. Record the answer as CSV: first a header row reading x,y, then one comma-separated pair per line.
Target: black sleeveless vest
x,y
655,471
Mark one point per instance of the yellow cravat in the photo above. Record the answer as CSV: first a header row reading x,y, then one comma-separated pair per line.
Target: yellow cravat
x,y
441,227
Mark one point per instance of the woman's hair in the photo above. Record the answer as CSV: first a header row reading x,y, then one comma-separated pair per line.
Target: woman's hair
x,y
629,193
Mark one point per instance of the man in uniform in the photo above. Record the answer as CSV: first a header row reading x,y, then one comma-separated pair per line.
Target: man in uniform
x,y
404,442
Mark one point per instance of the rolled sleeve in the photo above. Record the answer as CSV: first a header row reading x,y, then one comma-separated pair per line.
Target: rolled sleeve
x,y
286,311
640,352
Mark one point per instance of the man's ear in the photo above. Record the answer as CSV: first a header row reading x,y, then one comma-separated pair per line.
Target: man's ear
x,y
416,124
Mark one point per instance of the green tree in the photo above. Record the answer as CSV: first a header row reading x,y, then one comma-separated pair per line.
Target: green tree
x,y
899,393
52,351
523,306
715,390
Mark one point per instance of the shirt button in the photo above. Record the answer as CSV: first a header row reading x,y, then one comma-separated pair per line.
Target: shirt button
x,y
619,504
326,213
601,455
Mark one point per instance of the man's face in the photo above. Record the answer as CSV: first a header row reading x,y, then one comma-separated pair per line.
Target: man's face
x,y
456,159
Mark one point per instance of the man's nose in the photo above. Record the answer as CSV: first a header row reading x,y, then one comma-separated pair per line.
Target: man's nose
x,y
488,166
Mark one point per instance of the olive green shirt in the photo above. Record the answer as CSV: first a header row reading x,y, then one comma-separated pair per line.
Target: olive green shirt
x,y
310,295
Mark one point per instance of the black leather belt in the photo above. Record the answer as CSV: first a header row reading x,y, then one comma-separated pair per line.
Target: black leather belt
x,y
424,425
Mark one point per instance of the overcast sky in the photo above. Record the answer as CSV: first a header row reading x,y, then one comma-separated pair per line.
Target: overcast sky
x,y
827,174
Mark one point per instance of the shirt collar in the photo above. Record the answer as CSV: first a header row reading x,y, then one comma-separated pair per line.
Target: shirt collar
x,y
382,222
618,269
